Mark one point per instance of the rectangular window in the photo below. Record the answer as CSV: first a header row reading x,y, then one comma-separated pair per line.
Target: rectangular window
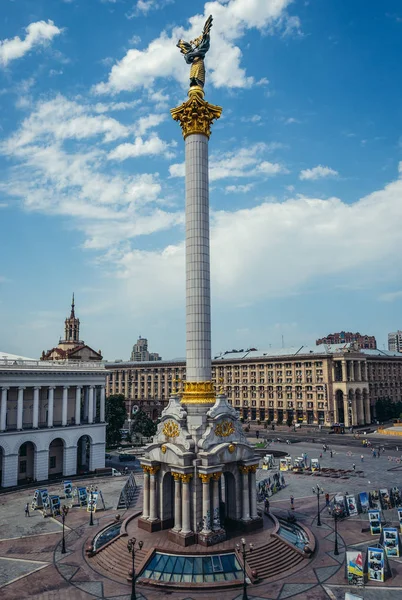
x,y
23,466
52,462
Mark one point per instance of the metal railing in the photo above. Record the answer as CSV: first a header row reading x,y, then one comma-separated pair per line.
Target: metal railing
x,y
128,492
58,365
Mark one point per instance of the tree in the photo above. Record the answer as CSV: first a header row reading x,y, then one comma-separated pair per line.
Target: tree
x,y
289,421
142,425
116,414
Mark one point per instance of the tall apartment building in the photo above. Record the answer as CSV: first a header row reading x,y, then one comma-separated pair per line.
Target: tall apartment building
x,y
318,385
346,337
395,341
140,352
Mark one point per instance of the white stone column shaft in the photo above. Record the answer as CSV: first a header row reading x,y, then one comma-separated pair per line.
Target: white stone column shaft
x,y
95,402
78,405
198,302
352,370
245,496
177,502
41,465
102,404
145,502
35,415
20,407
216,521
206,504
3,408
185,504
86,394
91,404
64,406
50,407
153,509
253,494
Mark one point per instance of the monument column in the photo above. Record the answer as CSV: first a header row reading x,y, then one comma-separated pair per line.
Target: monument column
x,y
216,520
206,502
177,501
153,508
64,406
253,491
3,409
35,415
186,503
20,407
245,494
145,501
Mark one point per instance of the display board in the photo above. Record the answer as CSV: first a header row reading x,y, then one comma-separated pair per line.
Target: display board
x,y
354,567
385,499
283,464
375,564
68,489
315,464
54,505
375,521
391,541
92,501
40,499
82,496
396,497
364,501
351,505
400,518
374,500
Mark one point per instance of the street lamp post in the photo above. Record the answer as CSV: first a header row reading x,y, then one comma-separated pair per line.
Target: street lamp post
x,y
242,549
317,490
91,506
131,548
337,512
64,513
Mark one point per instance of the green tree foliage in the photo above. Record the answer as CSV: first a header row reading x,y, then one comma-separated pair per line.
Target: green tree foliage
x,y
142,425
386,409
115,413
289,421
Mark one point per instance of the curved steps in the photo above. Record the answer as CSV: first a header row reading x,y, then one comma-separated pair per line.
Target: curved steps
x,y
116,560
273,558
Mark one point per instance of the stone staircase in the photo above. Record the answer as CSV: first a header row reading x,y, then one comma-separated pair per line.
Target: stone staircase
x,y
115,560
273,558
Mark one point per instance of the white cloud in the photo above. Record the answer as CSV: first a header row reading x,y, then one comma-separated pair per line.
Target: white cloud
x,y
232,19
391,296
239,189
39,33
245,162
152,146
149,122
317,173
291,121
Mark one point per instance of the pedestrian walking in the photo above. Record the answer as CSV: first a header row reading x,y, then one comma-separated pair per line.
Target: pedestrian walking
x,y
362,457
27,509
320,454
266,505
374,454
283,481
354,467
292,503
327,499
331,453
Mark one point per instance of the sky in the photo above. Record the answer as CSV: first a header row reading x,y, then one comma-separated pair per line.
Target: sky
x,y
305,171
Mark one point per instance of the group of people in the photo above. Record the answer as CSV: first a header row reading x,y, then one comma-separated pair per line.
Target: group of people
x,y
267,487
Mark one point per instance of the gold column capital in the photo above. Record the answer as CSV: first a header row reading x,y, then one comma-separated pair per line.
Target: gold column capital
x,y
153,470
196,115
176,476
198,392
205,477
253,468
186,477
243,469
216,476
145,468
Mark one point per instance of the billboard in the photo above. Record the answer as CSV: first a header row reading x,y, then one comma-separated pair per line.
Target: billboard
x,y
375,562
375,521
391,541
354,567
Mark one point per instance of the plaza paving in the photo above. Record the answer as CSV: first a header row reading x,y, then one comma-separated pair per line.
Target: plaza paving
x,y
31,564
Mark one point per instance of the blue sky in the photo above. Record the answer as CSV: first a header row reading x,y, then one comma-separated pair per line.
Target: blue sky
x,y
306,171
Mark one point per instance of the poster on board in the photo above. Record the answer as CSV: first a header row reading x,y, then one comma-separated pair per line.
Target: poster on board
x,y
354,567
375,521
391,541
400,518
375,562
283,464
385,499
68,489
374,500
82,496
364,501
55,505
351,505
92,501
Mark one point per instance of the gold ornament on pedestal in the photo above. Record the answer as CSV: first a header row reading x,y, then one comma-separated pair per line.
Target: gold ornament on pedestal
x,y
171,429
224,429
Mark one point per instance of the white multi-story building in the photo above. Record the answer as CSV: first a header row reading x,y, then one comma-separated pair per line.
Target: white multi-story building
x,y
52,419
395,341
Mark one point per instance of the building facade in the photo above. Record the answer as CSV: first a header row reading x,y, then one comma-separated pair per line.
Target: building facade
x,y
52,420
346,337
71,347
140,352
395,341
318,385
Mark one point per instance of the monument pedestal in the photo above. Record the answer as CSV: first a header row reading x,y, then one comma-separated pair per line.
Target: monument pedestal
x,y
148,525
212,537
182,539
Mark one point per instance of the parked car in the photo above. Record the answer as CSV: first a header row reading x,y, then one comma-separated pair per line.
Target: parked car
x,y
116,473
126,457
108,456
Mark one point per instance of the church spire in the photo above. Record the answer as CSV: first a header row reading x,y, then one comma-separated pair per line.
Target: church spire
x,y
72,316
72,326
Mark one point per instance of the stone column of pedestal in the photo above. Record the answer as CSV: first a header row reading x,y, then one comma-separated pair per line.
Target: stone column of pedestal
x,y
177,501
20,407
245,494
50,407
91,404
145,501
216,520
78,404
95,403
3,408
64,406
344,371
206,502
253,491
102,404
35,415
153,506
359,370
186,503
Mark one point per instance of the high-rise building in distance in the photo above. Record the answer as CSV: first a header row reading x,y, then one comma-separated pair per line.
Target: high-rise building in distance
x,y
140,351
395,341
346,337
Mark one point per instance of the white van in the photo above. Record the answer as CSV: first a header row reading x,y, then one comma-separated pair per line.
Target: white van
x,y
115,472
